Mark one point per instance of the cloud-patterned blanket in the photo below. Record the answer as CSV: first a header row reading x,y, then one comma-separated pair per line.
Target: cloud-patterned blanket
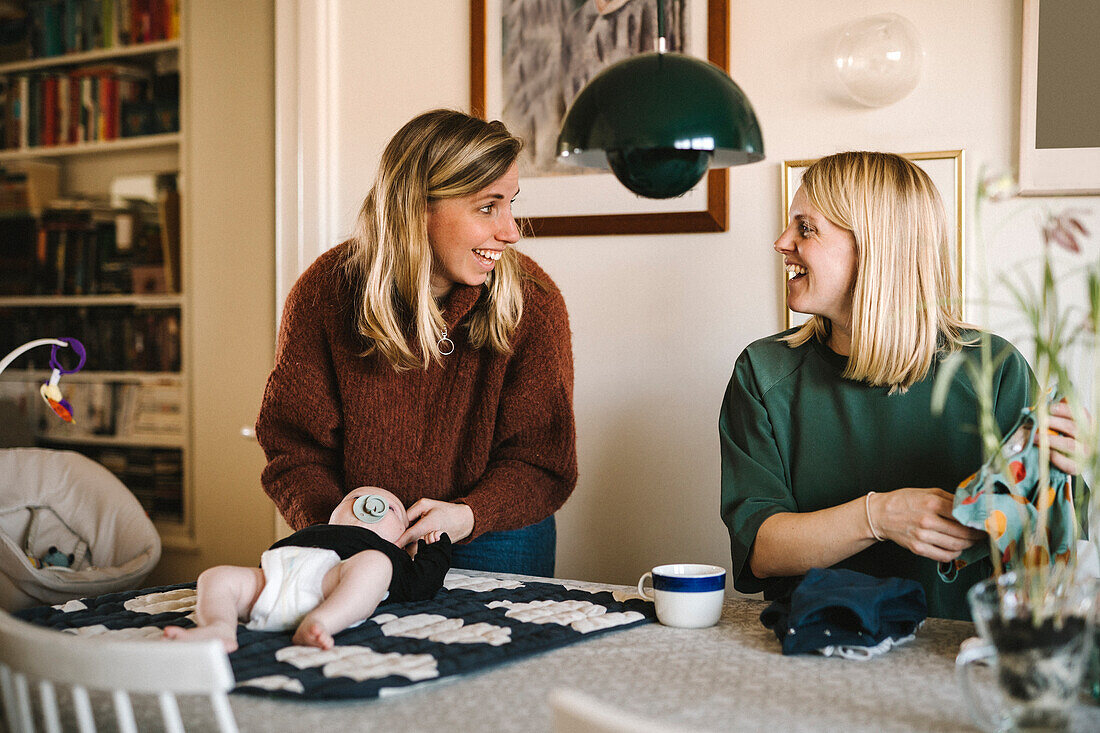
x,y
472,624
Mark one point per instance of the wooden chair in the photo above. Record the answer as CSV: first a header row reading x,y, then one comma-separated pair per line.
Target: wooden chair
x,y
34,656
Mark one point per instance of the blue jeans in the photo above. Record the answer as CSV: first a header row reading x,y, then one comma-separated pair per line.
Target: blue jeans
x,y
526,551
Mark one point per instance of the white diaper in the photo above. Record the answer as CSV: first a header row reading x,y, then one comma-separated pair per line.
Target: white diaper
x,y
293,579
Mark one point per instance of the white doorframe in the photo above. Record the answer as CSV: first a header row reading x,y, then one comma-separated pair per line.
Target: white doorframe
x,y
306,84
306,102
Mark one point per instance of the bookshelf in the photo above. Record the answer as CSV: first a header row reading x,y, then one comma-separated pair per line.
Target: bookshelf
x,y
79,58
144,142
69,301
90,102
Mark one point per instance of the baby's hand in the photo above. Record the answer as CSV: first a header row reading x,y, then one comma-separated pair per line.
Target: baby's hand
x,y
414,547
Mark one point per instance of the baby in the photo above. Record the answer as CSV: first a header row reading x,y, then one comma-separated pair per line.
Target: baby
x,y
322,579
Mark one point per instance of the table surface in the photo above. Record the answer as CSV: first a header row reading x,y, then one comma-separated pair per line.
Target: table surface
x,y
731,676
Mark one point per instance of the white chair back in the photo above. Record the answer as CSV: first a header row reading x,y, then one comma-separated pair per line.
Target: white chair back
x,y
31,656
576,712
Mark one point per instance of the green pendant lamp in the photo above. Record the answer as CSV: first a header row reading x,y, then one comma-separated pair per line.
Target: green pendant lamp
x,y
658,120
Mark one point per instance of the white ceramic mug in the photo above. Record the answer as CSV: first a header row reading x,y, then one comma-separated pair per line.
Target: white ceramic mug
x,y
686,595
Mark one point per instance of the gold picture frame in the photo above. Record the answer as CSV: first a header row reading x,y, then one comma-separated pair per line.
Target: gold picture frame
x,y
946,169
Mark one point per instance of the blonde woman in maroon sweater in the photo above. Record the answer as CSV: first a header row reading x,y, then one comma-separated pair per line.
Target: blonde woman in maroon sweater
x,y
427,356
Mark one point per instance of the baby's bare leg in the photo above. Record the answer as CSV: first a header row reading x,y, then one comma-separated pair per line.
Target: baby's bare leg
x,y
226,594
353,589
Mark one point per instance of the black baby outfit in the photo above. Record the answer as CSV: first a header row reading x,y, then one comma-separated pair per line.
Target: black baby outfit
x,y
413,579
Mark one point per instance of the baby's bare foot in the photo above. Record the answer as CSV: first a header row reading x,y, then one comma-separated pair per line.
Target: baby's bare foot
x,y
227,635
312,633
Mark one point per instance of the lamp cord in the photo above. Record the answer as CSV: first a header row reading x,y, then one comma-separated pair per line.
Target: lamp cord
x,y
661,43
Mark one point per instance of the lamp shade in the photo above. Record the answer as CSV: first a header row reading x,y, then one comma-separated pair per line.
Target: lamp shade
x,y
658,120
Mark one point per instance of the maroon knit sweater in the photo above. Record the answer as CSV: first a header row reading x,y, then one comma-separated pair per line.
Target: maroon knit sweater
x,y
493,431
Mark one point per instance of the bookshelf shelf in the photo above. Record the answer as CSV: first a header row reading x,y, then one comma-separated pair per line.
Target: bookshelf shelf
x,y
38,375
91,57
136,441
118,145
169,300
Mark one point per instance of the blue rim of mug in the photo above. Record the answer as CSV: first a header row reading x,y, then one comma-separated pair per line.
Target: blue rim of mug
x,y
708,578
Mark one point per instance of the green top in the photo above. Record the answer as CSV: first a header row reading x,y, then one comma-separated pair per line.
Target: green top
x,y
797,437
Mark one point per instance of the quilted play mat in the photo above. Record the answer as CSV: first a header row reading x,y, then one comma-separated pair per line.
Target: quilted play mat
x,y
473,623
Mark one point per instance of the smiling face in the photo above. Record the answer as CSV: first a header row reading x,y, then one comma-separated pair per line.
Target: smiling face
x,y
468,234
389,527
820,260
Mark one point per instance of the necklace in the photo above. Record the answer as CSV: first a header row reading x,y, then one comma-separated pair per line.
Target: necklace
x,y
446,346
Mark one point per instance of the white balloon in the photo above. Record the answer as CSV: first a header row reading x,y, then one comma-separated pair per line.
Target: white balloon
x,y
879,59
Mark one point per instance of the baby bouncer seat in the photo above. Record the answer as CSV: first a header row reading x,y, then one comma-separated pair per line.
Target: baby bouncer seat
x,y
56,503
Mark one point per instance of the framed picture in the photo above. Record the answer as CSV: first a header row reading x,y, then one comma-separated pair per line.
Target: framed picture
x,y
944,167
518,74
1059,98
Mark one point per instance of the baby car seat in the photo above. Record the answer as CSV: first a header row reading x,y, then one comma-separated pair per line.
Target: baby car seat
x,y
60,502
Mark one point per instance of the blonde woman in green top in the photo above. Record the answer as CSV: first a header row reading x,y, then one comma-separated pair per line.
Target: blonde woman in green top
x,y
831,455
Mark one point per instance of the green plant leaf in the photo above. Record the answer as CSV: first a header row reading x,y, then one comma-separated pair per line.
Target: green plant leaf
x,y
945,374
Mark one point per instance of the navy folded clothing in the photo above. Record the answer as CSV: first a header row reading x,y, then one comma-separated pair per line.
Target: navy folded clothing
x,y
845,613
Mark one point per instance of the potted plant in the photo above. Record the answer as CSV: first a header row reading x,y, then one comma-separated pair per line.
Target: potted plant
x,y
1035,613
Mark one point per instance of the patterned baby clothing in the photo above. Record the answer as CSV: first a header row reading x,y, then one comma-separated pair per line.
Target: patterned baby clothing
x,y
1005,503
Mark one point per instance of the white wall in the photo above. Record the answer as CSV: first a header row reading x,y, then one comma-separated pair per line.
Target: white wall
x,y
658,320
229,275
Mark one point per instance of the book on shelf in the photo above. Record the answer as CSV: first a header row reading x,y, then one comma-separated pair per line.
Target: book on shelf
x,y
168,484
17,415
87,247
11,116
150,410
91,103
17,255
117,338
15,36
129,411
24,187
168,218
57,27
47,21
93,412
104,89
156,112
29,186
153,475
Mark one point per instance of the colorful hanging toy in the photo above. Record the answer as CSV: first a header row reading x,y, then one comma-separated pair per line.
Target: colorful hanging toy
x,y
50,390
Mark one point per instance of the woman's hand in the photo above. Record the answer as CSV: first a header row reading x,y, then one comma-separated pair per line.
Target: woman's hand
x,y
430,518
920,521
1064,448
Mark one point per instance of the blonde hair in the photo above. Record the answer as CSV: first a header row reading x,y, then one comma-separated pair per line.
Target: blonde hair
x,y
906,303
437,155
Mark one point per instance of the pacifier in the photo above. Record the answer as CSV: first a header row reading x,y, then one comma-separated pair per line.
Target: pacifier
x,y
369,508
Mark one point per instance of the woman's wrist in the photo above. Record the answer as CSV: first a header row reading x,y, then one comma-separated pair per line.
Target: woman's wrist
x,y
870,521
469,527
